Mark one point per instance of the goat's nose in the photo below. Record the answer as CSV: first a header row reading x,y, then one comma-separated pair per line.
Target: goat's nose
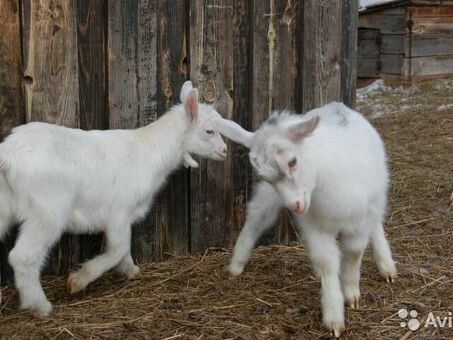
x,y
297,207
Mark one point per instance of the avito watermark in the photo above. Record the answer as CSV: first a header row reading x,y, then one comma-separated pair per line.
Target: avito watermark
x,y
411,321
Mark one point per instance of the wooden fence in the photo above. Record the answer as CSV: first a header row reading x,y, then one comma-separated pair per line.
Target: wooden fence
x,y
98,64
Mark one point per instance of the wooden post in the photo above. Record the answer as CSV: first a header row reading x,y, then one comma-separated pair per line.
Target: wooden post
x,y
211,70
348,63
11,98
51,82
132,86
173,223
92,44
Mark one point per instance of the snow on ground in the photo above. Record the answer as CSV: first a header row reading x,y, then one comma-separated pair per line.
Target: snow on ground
x,y
380,99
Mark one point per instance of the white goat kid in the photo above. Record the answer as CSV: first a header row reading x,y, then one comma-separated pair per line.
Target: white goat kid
x,y
55,179
329,168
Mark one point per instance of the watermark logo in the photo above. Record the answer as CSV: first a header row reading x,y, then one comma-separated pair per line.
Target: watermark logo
x,y
410,320
413,324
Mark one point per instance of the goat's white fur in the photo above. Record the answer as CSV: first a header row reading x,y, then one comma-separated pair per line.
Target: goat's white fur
x,y
340,183
55,179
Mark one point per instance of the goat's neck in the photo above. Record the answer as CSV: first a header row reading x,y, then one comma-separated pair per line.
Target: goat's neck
x,y
164,141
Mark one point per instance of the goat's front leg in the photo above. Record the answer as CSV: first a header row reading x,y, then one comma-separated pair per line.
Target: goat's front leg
x,y
325,257
353,246
27,257
118,242
262,212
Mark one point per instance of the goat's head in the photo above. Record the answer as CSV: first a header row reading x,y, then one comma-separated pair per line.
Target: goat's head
x,y
203,137
273,154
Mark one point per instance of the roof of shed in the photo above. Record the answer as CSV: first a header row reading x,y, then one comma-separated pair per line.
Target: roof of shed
x,y
374,5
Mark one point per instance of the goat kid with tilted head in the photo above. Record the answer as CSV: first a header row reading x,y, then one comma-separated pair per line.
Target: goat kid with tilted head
x,y
329,168
55,179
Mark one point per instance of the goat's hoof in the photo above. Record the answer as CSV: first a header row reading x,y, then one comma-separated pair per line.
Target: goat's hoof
x,y
75,283
235,269
132,272
40,309
388,271
336,328
353,303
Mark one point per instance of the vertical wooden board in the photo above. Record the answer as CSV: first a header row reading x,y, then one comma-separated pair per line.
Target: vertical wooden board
x,y
211,70
51,84
348,62
92,46
172,70
11,98
131,59
240,169
321,46
275,74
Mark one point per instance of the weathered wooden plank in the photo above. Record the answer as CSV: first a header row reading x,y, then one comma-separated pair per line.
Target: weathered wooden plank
x,y
434,25
395,44
430,66
275,73
211,70
368,68
172,208
386,23
92,45
368,49
132,86
349,50
321,48
395,64
11,97
424,46
51,82
432,11
367,34
240,170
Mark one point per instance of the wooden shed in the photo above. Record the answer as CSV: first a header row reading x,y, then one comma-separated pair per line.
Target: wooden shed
x,y
98,64
414,39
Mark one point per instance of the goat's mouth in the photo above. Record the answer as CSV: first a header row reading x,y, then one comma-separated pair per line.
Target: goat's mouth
x,y
220,155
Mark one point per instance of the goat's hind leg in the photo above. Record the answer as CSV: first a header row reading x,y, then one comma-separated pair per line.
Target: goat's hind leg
x,y
127,267
382,253
27,258
118,242
262,212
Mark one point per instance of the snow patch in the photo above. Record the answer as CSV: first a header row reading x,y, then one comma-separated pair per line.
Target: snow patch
x,y
445,107
364,4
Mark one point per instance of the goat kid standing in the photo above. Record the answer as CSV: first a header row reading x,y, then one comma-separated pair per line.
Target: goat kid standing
x,y
55,179
329,168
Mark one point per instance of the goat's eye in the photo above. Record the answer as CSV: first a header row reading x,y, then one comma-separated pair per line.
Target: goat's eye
x,y
210,132
292,163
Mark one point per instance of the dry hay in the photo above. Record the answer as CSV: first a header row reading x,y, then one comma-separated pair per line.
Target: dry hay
x,y
277,296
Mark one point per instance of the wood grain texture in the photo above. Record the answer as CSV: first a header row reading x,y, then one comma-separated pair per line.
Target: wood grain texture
x,y
321,46
173,222
92,44
131,58
395,24
51,84
275,75
240,169
211,65
11,97
348,61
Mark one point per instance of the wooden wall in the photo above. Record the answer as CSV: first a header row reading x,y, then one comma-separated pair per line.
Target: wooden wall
x,y
98,64
417,40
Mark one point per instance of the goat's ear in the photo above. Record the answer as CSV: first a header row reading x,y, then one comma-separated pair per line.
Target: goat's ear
x,y
286,160
302,130
185,89
234,131
191,105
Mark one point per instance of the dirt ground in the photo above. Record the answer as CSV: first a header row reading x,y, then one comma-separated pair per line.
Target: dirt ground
x,y
277,296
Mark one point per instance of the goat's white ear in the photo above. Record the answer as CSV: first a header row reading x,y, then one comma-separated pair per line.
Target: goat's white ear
x,y
189,162
234,131
185,89
302,130
191,105
286,160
